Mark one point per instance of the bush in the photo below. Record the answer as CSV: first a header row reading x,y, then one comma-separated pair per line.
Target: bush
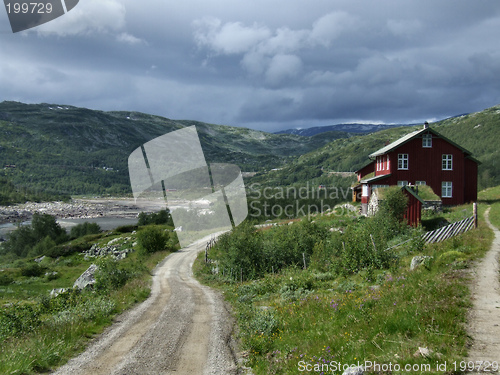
x,y
32,270
152,239
157,218
5,279
110,275
21,241
83,229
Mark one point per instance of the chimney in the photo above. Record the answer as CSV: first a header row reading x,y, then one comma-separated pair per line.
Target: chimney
x,y
426,125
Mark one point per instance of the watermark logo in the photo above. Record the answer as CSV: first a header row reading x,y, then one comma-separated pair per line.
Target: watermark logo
x,y
24,15
171,172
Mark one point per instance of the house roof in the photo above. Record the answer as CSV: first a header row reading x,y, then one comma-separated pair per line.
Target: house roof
x,y
401,141
373,179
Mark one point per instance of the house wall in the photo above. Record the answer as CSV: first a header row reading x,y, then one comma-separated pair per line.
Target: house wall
x,y
425,164
470,183
367,169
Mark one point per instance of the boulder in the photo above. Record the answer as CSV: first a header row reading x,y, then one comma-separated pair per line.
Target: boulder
x,y
55,292
418,261
87,278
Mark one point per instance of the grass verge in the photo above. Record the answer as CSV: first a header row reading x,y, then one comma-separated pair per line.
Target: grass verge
x,y
304,319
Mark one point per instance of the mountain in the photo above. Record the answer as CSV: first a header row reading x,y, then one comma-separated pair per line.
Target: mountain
x,y
350,128
66,149
477,132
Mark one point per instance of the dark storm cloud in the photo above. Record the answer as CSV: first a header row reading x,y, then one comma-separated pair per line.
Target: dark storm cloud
x,y
239,63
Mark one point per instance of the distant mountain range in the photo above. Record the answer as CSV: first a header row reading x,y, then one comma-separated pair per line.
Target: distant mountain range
x,y
349,128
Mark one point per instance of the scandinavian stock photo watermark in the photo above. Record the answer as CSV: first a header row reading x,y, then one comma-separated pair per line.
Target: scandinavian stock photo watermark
x,y
24,15
292,201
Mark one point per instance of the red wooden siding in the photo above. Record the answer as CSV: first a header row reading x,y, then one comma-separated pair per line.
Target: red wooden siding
x,y
425,164
413,211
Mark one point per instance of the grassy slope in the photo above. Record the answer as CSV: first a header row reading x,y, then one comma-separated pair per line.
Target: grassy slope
x,y
64,330
348,320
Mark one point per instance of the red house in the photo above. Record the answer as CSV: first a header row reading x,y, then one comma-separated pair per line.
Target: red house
x,y
423,157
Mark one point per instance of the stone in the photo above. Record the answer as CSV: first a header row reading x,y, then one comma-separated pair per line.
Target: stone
x,y
423,352
418,261
38,260
55,292
358,370
87,278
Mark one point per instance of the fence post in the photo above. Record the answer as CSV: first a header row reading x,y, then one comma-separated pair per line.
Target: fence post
x,y
474,212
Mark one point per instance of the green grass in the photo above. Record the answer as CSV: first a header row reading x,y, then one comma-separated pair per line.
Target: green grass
x,y
305,317
39,333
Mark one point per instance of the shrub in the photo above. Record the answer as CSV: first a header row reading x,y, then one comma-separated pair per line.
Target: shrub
x,y
110,275
17,319
152,239
32,270
83,229
5,279
157,218
21,241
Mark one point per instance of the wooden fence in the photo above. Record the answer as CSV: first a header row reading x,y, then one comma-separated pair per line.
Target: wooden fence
x,y
450,230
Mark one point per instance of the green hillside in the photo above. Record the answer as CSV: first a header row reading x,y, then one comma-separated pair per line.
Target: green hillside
x,y
65,149
477,132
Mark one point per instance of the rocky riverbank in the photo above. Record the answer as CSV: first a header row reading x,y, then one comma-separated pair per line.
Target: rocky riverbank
x,y
77,208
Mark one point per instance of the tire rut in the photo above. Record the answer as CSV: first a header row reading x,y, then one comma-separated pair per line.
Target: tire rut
x,y
182,328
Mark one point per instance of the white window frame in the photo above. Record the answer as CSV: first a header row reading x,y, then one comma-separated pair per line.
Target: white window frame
x,y
403,162
427,140
420,183
402,183
446,189
447,162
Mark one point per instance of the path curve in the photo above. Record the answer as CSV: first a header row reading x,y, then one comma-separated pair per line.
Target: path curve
x,y
182,328
485,316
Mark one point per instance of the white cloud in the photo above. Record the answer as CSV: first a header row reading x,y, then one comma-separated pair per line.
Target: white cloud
x,y
91,17
283,67
129,39
329,27
230,38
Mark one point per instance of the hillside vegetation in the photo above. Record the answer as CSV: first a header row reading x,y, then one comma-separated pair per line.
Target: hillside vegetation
x,y
313,299
72,150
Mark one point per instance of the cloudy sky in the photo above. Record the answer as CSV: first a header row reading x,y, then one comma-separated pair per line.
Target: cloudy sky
x,y
268,65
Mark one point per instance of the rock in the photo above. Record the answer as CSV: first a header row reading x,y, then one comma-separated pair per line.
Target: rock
x,y
358,370
423,352
55,292
38,260
87,278
418,261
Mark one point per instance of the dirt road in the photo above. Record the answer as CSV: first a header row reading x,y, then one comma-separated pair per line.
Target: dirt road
x,y
485,316
182,328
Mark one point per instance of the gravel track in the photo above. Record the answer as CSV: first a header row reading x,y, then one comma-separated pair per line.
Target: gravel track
x,y
485,315
182,328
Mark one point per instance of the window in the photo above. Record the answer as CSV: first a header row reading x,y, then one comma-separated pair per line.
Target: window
x,y
446,189
427,140
379,186
447,162
420,183
402,183
402,161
